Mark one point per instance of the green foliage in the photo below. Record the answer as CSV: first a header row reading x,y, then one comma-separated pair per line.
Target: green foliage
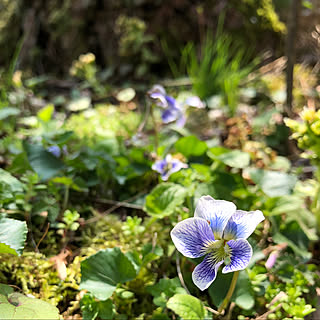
x,y
191,146
45,164
121,265
221,67
15,305
102,281
13,235
92,309
135,43
165,289
164,199
232,158
186,306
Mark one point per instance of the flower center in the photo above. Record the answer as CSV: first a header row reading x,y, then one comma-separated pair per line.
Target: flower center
x,y
219,250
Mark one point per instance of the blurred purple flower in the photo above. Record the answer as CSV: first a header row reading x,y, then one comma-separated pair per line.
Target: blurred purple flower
x,y
168,166
173,111
55,150
218,231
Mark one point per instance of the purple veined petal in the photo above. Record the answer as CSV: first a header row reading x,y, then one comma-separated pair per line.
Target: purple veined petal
x,y
217,212
240,255
242,224
160,166
192,237
194,102
205,272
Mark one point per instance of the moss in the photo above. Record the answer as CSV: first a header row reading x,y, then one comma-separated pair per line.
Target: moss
x,y
35,274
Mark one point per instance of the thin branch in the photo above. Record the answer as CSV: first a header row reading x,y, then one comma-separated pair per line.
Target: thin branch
x,y
43,236
265,315
180,274
212,310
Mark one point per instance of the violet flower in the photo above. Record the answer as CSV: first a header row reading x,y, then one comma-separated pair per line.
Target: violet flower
x,y
55,150
218,231
168,166
172,110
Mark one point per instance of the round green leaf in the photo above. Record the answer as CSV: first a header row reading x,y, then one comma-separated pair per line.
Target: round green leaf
x,y
186,306
17,306
104,270
164,198
272,183
191,146
234,158
42,162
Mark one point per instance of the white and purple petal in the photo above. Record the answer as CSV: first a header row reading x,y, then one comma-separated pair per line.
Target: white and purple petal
x,y
205,272
192,237
242,224
169,115
240,255
160,166
216,212
194,102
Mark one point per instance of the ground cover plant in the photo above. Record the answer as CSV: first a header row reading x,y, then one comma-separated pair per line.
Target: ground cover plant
x,y
189,198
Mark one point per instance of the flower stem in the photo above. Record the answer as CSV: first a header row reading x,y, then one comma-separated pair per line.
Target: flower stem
x,y
226,300
155,128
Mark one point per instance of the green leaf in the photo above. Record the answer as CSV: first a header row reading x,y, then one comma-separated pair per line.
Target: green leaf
x,y
7,180
9,185
103,271
243,295
45,114
303,252
5,289
105,309
186,306
91,308
8,112
191,146
13,234
16,306
219,288
164,199
165,289
232,158
45,164
272,183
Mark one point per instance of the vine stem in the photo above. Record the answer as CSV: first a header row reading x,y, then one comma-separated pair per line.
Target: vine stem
x,y
226,300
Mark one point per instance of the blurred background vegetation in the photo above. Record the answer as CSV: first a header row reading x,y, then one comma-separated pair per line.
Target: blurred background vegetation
x,y
136,38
